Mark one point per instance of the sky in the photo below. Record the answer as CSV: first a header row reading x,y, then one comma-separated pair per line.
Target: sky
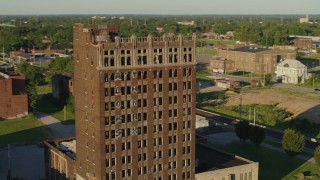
x,y
172,7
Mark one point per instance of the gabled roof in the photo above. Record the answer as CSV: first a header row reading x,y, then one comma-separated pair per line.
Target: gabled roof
x,y
291,63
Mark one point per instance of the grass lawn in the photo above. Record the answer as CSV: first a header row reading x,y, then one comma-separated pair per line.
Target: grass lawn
x,y
202,75
272,164
23,130
307,169
54,108
245,74
44,89
312,95
206,50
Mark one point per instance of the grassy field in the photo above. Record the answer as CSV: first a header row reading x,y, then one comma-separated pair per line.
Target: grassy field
x,y
245,74
272,164
206,50
202,75
54,108
306,168
22,131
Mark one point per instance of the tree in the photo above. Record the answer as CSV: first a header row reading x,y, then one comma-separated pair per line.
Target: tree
x,y
256,135
267,79
32,96
292,142
316,156
242,130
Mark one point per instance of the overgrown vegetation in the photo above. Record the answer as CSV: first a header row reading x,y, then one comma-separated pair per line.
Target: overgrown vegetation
x,y
267,114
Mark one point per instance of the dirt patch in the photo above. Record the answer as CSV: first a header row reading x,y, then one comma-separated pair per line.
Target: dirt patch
x,y
299,106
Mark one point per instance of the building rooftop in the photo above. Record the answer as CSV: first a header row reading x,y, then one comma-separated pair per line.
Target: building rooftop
x,y
291,63
67,146
208,159
250,49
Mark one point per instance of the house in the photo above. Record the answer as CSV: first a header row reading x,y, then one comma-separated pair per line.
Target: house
x,y
291,71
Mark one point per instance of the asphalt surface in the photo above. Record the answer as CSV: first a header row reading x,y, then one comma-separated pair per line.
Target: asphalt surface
x,y
276,134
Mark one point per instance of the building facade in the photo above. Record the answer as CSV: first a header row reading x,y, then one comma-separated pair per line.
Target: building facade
x,y
13,96
291,71
59,156
134,105
250,59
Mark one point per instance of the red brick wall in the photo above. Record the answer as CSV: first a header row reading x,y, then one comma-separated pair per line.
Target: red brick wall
x,y
12,102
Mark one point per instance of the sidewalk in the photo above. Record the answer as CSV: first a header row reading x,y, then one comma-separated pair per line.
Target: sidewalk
x,y
59,130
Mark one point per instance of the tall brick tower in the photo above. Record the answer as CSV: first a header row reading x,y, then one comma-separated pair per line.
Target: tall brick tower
x,y
134,105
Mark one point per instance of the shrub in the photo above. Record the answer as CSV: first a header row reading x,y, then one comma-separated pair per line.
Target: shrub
x,y
316,156
242,130
256,135
292,142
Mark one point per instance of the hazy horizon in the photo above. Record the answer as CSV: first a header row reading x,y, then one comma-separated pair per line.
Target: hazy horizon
x,y
164,7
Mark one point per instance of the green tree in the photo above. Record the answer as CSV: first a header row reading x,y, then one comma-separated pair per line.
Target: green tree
x,y
267,79
32,96
242,130
316,156
256,135
292,142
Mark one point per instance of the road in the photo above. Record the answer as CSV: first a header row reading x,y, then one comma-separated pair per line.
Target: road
x,y
276,134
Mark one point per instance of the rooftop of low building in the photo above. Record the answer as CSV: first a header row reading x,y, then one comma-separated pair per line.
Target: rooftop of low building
x,y
250,49
209,159
67,146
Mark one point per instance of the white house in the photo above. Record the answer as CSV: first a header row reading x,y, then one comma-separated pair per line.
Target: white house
x,y
289,71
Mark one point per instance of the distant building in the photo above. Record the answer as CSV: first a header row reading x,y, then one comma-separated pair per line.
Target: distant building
x,y
186,23
13,97
305,19
61,85
305,42
289,71
250,59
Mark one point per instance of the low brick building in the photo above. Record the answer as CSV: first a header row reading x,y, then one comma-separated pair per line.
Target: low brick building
x,y
250,59
60,159
13,97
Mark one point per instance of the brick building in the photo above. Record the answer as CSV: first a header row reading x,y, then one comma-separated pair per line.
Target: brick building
x,y
250,59
134,105
60,159
13,97
62,85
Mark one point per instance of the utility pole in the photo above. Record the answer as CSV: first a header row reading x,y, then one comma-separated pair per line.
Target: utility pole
x,y
313,81
240,105
9,164
65,113
254,116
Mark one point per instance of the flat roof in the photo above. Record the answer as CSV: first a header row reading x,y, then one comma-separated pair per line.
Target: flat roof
x,y
209,159
67,146
250,49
